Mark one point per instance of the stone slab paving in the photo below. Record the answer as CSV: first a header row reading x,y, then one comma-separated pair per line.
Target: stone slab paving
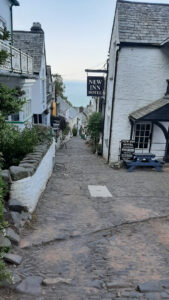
x,y
103,248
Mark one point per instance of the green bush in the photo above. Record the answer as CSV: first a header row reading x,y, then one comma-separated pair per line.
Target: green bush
x,y
44,133
74,130
94,126
15,144
66,130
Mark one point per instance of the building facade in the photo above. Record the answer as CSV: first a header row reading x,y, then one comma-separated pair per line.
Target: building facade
x,y
18,69
137,80
33,43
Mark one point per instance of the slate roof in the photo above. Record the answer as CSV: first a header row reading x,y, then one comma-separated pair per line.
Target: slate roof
x,y
143,22
144,111
31,43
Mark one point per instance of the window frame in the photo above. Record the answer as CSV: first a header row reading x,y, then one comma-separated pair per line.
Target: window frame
x,y
142,135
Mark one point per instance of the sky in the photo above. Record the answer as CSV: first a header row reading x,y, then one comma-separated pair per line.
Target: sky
x,y
77,32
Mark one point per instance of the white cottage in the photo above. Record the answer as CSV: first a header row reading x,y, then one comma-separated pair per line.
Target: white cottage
x,y
137,103
18,69
33,43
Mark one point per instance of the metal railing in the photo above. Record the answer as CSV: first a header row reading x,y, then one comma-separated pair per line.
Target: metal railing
x,y
17,61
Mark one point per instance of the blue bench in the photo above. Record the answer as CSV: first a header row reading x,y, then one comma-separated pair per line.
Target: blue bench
x,y
143,160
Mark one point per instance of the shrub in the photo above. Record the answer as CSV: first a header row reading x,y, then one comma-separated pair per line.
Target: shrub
x,y
15,144
94,126
66,130
74,130
44,133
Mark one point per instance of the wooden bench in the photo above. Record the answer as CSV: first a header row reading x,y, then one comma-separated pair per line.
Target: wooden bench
x,y
143,160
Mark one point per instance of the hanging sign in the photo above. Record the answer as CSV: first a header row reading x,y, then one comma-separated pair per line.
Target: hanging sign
x,y
95,86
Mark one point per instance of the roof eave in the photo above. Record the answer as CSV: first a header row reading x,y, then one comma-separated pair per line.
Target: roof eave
x,y
138,44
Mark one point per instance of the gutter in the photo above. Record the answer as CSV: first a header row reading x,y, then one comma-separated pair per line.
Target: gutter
x,y
113,100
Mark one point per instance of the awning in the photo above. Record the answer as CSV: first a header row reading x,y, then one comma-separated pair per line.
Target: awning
x,y
156,111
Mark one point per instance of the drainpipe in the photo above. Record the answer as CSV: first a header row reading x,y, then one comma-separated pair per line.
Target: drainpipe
x,y
112,109
104,104
11,14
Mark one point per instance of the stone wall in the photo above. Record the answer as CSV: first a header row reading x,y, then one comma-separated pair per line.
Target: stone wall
x,y
29,179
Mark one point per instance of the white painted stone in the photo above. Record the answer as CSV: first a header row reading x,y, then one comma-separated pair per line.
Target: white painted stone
x,y
99,191
28,190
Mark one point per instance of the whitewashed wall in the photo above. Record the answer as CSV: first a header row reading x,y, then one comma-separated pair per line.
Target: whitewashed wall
x,y
28,190
141,79
5,13
110,82
158,146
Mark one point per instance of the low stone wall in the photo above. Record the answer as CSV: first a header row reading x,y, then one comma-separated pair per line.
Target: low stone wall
x,y
29,179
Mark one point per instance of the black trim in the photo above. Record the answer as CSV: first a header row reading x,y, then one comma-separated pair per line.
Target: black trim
x,y
113,100
151,137
132,127
137,44
104,104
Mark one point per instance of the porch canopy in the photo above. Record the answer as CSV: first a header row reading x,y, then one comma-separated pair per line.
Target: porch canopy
x,y
154,112
157,113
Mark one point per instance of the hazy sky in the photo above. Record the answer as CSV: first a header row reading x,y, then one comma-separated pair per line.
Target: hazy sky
x,y
77,32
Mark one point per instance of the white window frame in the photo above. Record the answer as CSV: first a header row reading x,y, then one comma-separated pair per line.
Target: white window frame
x,y
142,135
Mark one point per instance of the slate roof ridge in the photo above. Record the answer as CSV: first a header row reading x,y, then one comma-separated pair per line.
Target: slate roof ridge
x,y
137,2
28,31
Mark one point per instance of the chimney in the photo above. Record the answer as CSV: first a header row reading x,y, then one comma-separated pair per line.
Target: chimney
x,y
36,27
81,109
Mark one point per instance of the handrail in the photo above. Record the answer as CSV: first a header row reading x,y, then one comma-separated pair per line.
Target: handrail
x,y
17,61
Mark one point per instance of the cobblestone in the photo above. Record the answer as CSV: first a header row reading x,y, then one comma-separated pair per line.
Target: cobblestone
x,y
98,243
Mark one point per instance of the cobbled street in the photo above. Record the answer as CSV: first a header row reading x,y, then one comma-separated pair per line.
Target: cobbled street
x,y
104,248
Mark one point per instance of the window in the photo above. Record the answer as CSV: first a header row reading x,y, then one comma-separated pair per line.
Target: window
x,y
37,119
142,135
15,117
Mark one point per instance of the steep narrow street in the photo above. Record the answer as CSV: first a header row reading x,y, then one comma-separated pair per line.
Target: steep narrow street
x,y
101,247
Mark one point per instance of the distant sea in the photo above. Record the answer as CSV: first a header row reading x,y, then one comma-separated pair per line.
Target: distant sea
x,y
76,91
